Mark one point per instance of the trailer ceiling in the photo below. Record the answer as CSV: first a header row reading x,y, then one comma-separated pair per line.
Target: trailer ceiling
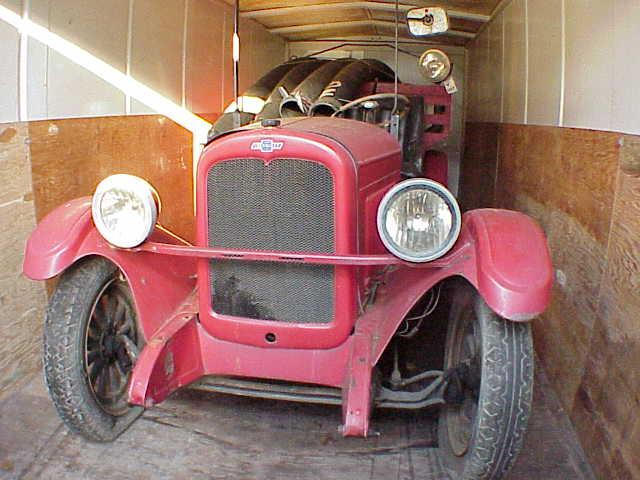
x,y
341,19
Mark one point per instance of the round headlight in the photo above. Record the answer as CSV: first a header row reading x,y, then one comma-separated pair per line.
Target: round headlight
x,y
435,65
419,220
124,210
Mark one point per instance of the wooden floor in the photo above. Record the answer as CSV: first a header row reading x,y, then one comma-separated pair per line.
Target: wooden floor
x,y
197,435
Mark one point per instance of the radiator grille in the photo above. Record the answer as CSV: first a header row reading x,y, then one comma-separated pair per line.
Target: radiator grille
x,y
286,205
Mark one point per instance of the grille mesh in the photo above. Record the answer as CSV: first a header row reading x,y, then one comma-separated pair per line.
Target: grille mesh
x,y
286,205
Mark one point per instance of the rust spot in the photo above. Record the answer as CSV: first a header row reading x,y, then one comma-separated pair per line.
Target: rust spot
x,y
169,366
7,134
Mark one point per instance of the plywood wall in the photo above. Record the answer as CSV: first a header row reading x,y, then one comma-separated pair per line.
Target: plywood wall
x,y
69,158
583,187
541,65
21,301
45,163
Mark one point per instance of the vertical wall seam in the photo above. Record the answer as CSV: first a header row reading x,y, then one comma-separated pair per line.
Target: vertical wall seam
x,y
48,61
222,61
563,60
497,170
526,62
504,54
127,98
23,62
488,74
185,27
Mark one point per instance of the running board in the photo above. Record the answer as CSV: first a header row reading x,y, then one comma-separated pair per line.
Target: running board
x,y
297,392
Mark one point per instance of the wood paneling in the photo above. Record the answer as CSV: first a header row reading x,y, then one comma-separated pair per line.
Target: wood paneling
x,y
630,156
478,169
614,385
592,161
21,300
70,157
584,189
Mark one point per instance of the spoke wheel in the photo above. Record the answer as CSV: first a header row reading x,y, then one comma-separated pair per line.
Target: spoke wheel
x,y
489,394
111,347
465,352
91,344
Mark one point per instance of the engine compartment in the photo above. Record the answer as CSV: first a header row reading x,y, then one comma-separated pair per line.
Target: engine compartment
x,y
418,116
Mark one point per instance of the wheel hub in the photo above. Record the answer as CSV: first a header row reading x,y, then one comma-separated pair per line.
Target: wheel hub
x,y
110,345
111,348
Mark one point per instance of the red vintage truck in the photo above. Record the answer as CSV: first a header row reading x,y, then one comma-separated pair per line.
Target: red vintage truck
x,y
323,247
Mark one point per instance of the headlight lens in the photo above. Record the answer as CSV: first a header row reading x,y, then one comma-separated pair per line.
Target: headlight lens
x,y
419,220
435,65
124,210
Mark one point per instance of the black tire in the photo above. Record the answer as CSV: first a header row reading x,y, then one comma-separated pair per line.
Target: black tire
x,y
66,350
482,443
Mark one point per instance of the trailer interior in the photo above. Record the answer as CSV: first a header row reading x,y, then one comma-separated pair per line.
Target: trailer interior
x,y
542,116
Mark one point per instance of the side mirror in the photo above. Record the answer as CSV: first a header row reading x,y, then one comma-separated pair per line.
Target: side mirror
x,y
428,21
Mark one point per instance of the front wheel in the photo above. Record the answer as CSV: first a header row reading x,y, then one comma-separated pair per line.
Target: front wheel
x,y
489,364
91,343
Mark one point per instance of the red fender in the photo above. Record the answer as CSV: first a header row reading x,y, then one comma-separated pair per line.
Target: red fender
x,y
502,253
159,283
513,270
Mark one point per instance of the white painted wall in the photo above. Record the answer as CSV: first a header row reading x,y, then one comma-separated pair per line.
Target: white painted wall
x,y
558,62
176,48
9,52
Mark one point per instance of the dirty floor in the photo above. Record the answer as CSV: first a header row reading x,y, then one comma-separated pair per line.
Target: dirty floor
x,y
197,435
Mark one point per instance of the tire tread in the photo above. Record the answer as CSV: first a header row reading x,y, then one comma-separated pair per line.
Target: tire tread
x,y
507,400
64,373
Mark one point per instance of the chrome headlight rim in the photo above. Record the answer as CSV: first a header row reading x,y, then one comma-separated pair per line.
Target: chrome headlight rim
x,y
439,190
446,61
137,187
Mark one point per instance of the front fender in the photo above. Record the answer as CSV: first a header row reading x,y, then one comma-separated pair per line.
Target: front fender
x,y
55,242
513,270
502,253
159,283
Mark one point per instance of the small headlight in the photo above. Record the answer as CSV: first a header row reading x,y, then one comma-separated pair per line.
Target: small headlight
x,y
419,220
124,210
435,65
